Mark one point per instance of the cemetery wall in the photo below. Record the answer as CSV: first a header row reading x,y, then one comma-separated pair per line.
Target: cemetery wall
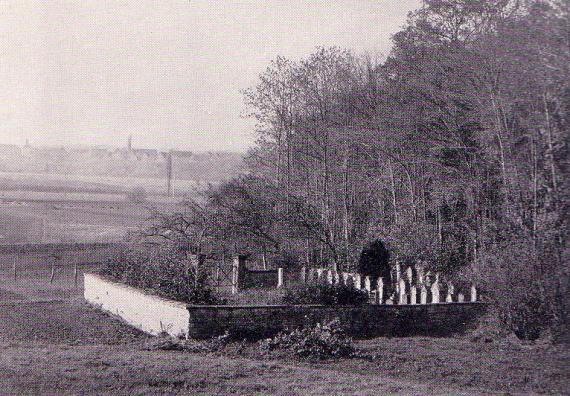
x,y
149,313
361,322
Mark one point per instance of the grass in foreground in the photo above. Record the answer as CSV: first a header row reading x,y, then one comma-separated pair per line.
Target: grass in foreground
x,y
69,347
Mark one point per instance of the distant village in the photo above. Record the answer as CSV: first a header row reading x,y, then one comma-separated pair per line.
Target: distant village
x,y
126,161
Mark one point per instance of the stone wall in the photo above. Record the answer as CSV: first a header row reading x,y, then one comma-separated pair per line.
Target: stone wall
x,y
361,322
144,311
154,315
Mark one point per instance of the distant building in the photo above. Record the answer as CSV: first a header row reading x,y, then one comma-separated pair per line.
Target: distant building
x,y
181,153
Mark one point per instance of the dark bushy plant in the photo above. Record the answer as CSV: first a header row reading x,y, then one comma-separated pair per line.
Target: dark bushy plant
x,y
326,294
163,270
320,342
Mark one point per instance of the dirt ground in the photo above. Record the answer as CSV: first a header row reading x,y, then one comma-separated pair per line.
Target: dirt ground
x,y
61,345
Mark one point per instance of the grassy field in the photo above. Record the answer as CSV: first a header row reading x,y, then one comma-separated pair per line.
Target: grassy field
x,y
54,343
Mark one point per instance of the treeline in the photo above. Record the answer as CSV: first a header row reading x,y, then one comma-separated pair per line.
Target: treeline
x,y
453,150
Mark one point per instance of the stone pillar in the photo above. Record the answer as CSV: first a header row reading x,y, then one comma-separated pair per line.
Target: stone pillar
x,y
196,261
238,272
380,291
473,293
303,274
279,277
403,298
423,295
450,290
435,292
460,298
413,295
357,281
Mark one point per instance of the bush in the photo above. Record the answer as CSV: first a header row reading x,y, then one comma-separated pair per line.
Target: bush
x,y
325,294
320,342
162,270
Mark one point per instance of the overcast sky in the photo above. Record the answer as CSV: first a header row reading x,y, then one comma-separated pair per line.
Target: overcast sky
x,y
168,72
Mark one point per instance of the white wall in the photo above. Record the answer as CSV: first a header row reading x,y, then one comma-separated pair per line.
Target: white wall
x,y
149,313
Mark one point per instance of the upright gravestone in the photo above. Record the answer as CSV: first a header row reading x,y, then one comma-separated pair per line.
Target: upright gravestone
x,y
460,298
336,277
303,274
473,293
367,284
402,292
357,281
450,291
435,292
413,295
330,278
279,277
319,274
410,275
311,275
345,278
423,295
380,291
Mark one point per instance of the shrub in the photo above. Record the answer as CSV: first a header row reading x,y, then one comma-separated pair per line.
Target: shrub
x,y
326,294
162,270
320,342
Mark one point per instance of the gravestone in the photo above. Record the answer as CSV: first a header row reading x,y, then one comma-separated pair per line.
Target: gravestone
x,y
423,295
413,295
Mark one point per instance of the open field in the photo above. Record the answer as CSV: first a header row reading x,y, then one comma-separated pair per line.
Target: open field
x,y
74,183
26,222
54,343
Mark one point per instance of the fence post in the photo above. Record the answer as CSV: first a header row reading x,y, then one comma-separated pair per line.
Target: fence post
x,y
473,293
75,274
279,277
52,276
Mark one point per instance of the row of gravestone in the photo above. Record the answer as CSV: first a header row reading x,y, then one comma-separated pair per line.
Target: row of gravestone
x,y
422,289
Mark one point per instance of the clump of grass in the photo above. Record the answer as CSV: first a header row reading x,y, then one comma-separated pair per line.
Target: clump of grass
x,y
166,343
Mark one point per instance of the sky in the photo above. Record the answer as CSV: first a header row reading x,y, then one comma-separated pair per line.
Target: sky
x,y
167,72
